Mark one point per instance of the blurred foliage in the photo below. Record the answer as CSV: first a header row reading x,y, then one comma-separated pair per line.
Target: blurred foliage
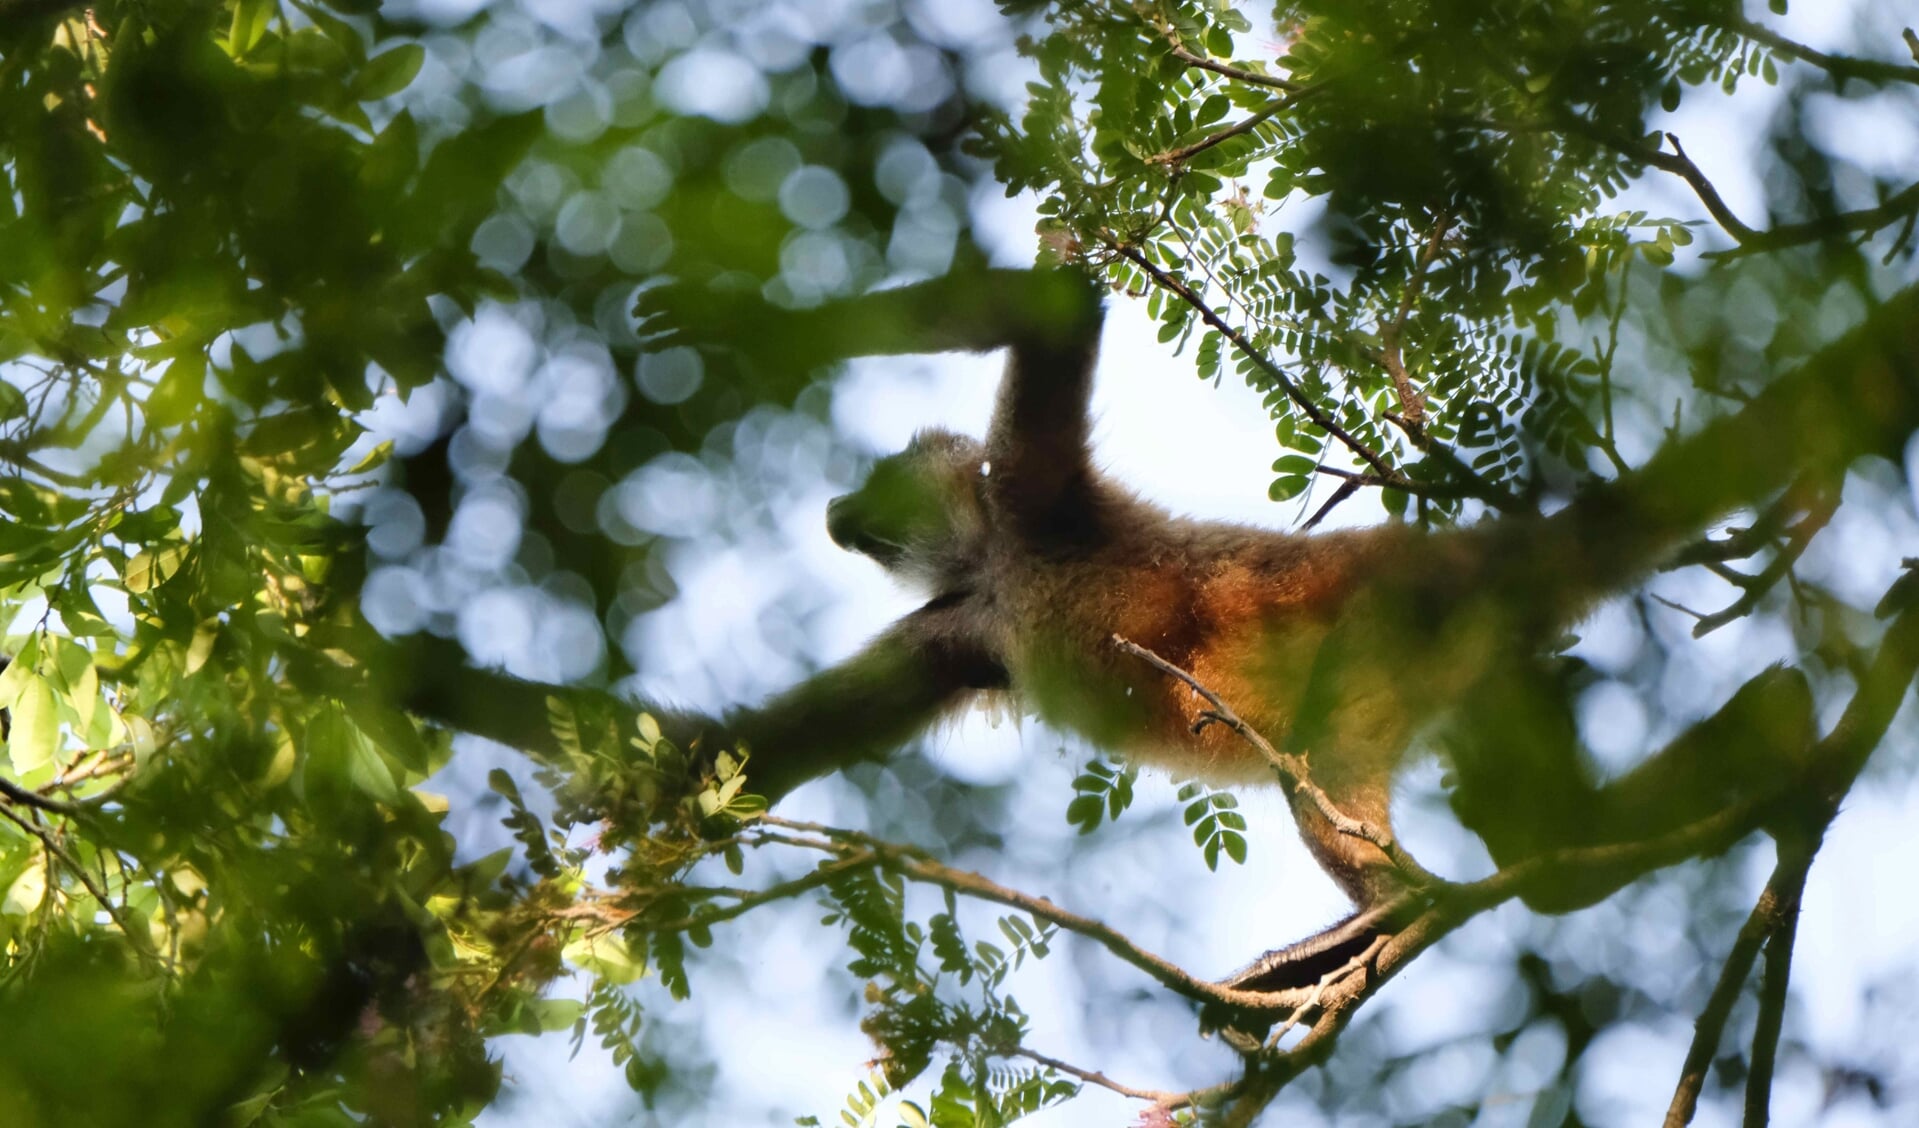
x,y
249,248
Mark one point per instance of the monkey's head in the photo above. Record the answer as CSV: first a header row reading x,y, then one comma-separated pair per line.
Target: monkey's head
x,y
919,513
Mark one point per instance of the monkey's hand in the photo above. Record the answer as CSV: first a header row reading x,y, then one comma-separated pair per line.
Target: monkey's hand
x,y
969,310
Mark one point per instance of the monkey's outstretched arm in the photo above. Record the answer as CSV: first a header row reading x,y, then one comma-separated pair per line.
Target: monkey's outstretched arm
x,y
973,310
861,709
865,707
1050,319
1040,465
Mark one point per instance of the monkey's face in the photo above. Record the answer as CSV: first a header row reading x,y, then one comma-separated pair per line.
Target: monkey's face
x,y
919,512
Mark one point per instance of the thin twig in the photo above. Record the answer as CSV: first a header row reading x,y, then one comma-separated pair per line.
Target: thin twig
x,y
1896,206
1709,1028
1412,405
1682,166
1841,67
918,865
1900,205
824,873
1784,926
1358,963
1471,482
1286,383
1608,443
1227,70
1354,477
137,937
1346,489
1184,153
1753,588
1092,1077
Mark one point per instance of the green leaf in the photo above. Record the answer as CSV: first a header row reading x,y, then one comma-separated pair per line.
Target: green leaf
x,y
150,569
556,1014
1084,812
35,735
289,431
392,732
27,890
389,73
500,783
78,682
1287,488
201,648
341,759
18,673
250,19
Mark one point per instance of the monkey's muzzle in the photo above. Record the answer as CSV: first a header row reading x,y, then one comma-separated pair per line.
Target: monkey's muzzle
x,y
849,526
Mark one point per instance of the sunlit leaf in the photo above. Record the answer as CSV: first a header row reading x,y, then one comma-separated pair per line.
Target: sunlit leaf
x,y
35,733
388,73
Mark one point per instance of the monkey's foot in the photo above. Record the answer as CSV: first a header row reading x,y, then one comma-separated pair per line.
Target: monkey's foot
x,y
1301,968
1304,964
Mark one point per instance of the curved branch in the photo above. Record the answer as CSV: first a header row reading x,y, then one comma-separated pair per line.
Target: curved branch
x,y
1841,67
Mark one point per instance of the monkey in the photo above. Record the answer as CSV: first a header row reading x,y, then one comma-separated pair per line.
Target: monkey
x,y
1341,646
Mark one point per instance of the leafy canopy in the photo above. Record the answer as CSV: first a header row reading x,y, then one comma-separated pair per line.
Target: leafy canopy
x,y
246,241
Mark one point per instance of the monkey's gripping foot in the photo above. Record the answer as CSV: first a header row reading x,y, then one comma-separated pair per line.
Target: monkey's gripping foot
x,y
1303,967
1304,964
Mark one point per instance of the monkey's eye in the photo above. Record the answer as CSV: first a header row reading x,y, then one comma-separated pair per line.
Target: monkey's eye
x,y
986,469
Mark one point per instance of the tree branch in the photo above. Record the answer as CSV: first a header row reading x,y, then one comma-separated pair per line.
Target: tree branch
x,y
1091,1077
1834,762
1783,926
1841,67
28,798
1788,876
1187,152
1412,406
920,866
1895,207
1227,70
